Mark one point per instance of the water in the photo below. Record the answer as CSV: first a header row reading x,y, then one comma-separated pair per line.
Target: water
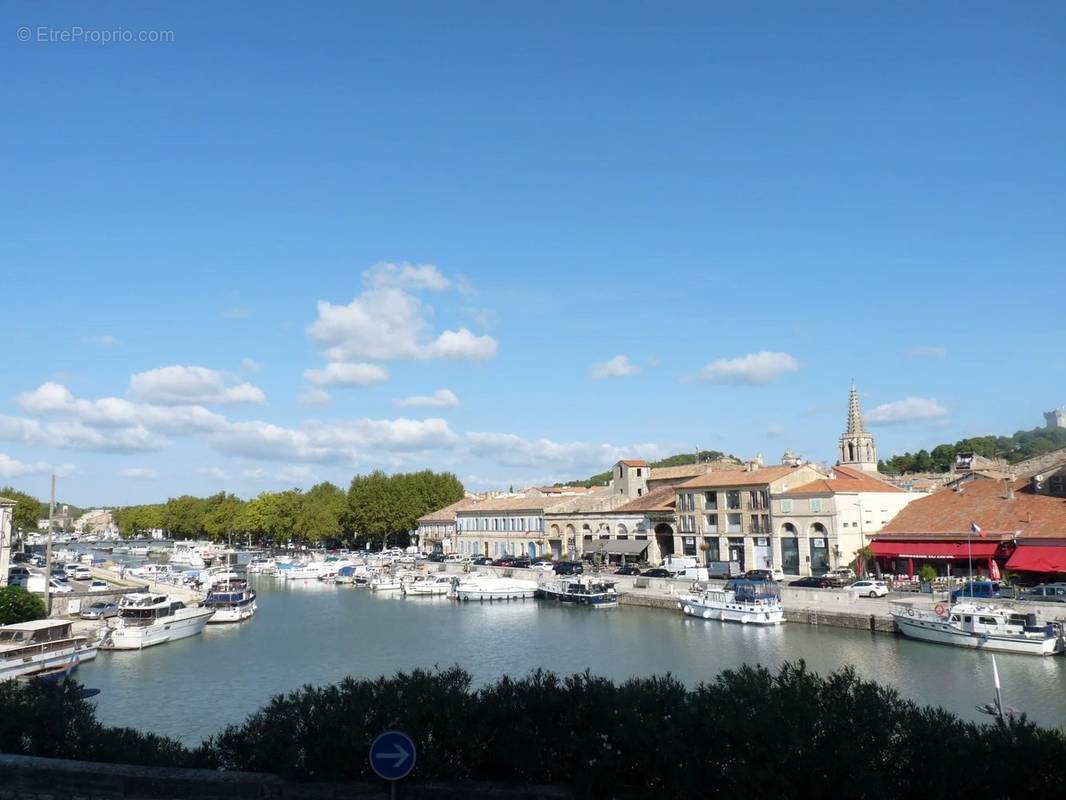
x,y
308,632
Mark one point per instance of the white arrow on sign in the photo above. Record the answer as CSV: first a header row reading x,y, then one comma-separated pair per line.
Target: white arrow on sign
x,y
398,757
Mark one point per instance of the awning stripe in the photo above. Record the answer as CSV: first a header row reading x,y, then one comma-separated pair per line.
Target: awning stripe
x,y
1037,558
935,550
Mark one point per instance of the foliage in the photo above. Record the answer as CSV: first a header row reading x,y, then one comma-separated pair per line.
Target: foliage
x,y
19,605
28,509
678,460
927,573
750,732
385,507
1020,446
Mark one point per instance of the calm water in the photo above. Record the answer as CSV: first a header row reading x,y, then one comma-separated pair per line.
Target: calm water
x,y
308,632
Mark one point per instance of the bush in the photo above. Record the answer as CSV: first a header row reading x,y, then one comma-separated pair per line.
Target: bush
x,y
927,573
18,605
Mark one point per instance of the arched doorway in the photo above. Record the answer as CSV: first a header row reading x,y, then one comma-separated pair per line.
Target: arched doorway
x,y
623,531
664,537
818,538
790,557
532,550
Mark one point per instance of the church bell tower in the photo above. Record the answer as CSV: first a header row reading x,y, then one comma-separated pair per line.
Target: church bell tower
x,y
857,448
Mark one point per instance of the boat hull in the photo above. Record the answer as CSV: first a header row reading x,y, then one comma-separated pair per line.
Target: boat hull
x,y
731,612
140,637
941,633
48,666
590,600
231,614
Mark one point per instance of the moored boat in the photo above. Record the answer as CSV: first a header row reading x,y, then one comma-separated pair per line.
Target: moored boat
x,y
42,648
747,602
232,601
582,591
431,586
983,627
147,619
485,587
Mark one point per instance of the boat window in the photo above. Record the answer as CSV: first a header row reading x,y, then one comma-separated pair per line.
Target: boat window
x,y
967,618
987,620
955,618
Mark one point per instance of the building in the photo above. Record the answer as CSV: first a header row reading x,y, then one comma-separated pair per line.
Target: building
x,y
97,522
506,525
436,530
7,512
1056,418
1020,525
823,524
857,448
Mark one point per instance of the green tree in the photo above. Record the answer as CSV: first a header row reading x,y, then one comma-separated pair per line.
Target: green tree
x,y
28,509
222,516
18,605
386,507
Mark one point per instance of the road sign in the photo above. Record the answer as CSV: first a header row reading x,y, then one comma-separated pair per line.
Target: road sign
x,y
392,755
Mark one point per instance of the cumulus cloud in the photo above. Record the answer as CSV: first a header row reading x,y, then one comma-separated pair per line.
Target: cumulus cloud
x,y
616,367
179,385
314,397
754,369
250,365
442,398
513,450
138,473
926,351
461,345
342,374
13,468
909,409
74,435
406,276
102,340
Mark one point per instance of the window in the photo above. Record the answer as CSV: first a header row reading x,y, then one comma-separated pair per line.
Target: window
x,y
786,506
638,472
640,492
687,501
711,523
688,544
816,505
757,499
732,499
619,471
710,500
733,523
790,559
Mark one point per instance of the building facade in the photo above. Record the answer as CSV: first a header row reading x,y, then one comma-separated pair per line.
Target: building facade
x,y
1056,418
7,512
506,525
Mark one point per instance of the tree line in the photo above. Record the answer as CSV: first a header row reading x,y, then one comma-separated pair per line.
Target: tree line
x,y
377,508
677,460
1020,446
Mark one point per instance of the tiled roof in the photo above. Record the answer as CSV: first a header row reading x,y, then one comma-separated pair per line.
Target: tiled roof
x,y
690,470
844,479
656,500
602,500
447,514
568,490
5,502
637,462
529,502
738,477
949,513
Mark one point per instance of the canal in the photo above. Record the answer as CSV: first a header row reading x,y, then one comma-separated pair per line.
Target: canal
x,y
308,632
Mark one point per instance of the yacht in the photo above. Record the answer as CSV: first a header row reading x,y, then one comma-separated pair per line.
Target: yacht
x,y
984,627
185,554
384,582
147,619
139,550
748,602
583,591
120,549
232,601
431,586
41,648
486,587
302,572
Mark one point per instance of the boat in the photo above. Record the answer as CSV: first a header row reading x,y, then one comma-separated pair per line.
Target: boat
x,y
747,602
147,619
302,572
385,583
139,550
120,549
983,627
583,591
41,648
232,601
431,586
486,587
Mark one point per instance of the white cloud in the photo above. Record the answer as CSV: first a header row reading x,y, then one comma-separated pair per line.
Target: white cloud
x,y
217,473
616,367
178,385
442,398
74,435
138,473
909,409
774,430
754,369
234,312
102,340
406,276
314,397
926,351
250,365
13,468
342,374
462,345
513,450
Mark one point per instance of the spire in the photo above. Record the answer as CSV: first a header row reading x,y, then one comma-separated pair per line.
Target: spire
x,y
854,412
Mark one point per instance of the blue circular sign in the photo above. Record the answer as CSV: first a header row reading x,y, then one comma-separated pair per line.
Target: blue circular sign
x,y
392,755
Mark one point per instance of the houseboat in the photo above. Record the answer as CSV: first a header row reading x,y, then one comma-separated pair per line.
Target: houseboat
x,y
582,591
983,627
747,602
41,648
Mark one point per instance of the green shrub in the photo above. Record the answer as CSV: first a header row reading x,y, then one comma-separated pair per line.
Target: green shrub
x,y
18,605
927,573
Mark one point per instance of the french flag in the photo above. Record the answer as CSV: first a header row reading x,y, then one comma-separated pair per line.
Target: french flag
x,y
977,529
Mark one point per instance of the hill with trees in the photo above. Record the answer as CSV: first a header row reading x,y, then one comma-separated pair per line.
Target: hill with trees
x,y
1019,447
677,460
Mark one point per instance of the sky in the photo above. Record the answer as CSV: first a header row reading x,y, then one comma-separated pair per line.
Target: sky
x,y
253,246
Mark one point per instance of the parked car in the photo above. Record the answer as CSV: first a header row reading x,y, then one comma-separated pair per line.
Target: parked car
x,y
504,561
1045,593
18,576
657,572
454,558
629,569
869,588
844,575
59,574
481,561
544,566
38,561
977,589
99,586
83,573
764,575
814,582
58,587
21,558
568,568
99,611
521,562
436,558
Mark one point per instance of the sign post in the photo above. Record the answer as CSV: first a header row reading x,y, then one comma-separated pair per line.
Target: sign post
x,y
392,757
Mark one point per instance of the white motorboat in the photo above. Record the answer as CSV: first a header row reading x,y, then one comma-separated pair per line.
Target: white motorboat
x,y
486,587
431,586
582,591
40,648
148,619
984,627
747,602
232,601
139,550
120,549
385,583
303,572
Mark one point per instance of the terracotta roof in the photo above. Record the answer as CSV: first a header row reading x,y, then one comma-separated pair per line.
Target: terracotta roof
x,y
570,490
661,499
844,479
447,514
5,502
738,477
949,514
530,502
636,462
690,470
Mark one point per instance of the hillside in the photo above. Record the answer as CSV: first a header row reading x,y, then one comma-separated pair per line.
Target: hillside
x,y
677,460
1020,446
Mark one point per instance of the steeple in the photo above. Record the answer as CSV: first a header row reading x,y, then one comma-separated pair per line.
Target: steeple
x,y
857,448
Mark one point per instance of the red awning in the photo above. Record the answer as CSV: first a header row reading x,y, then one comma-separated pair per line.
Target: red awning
x,y
1037,558
935,550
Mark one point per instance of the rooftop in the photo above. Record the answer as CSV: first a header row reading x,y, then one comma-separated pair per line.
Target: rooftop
x,y
661,499
534,501
844,479
635,462
739,477
691,470
950,513
447,514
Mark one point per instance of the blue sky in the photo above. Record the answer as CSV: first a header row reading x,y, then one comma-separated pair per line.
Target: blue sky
x,y
732,210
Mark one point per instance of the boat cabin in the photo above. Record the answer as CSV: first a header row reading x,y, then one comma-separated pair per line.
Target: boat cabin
x,y
987,620
144,608
39,631
759,592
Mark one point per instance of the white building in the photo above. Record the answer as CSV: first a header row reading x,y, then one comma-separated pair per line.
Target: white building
x,y
7,511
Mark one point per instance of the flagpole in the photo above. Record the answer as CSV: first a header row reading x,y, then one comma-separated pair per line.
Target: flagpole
x,y
969,556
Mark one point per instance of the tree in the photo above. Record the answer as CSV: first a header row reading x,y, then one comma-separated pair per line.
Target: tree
x,y
222,515
18,605
384,508
927,573
27,511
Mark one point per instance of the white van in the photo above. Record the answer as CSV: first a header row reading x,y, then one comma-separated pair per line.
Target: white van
x,y
678,563
692,574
